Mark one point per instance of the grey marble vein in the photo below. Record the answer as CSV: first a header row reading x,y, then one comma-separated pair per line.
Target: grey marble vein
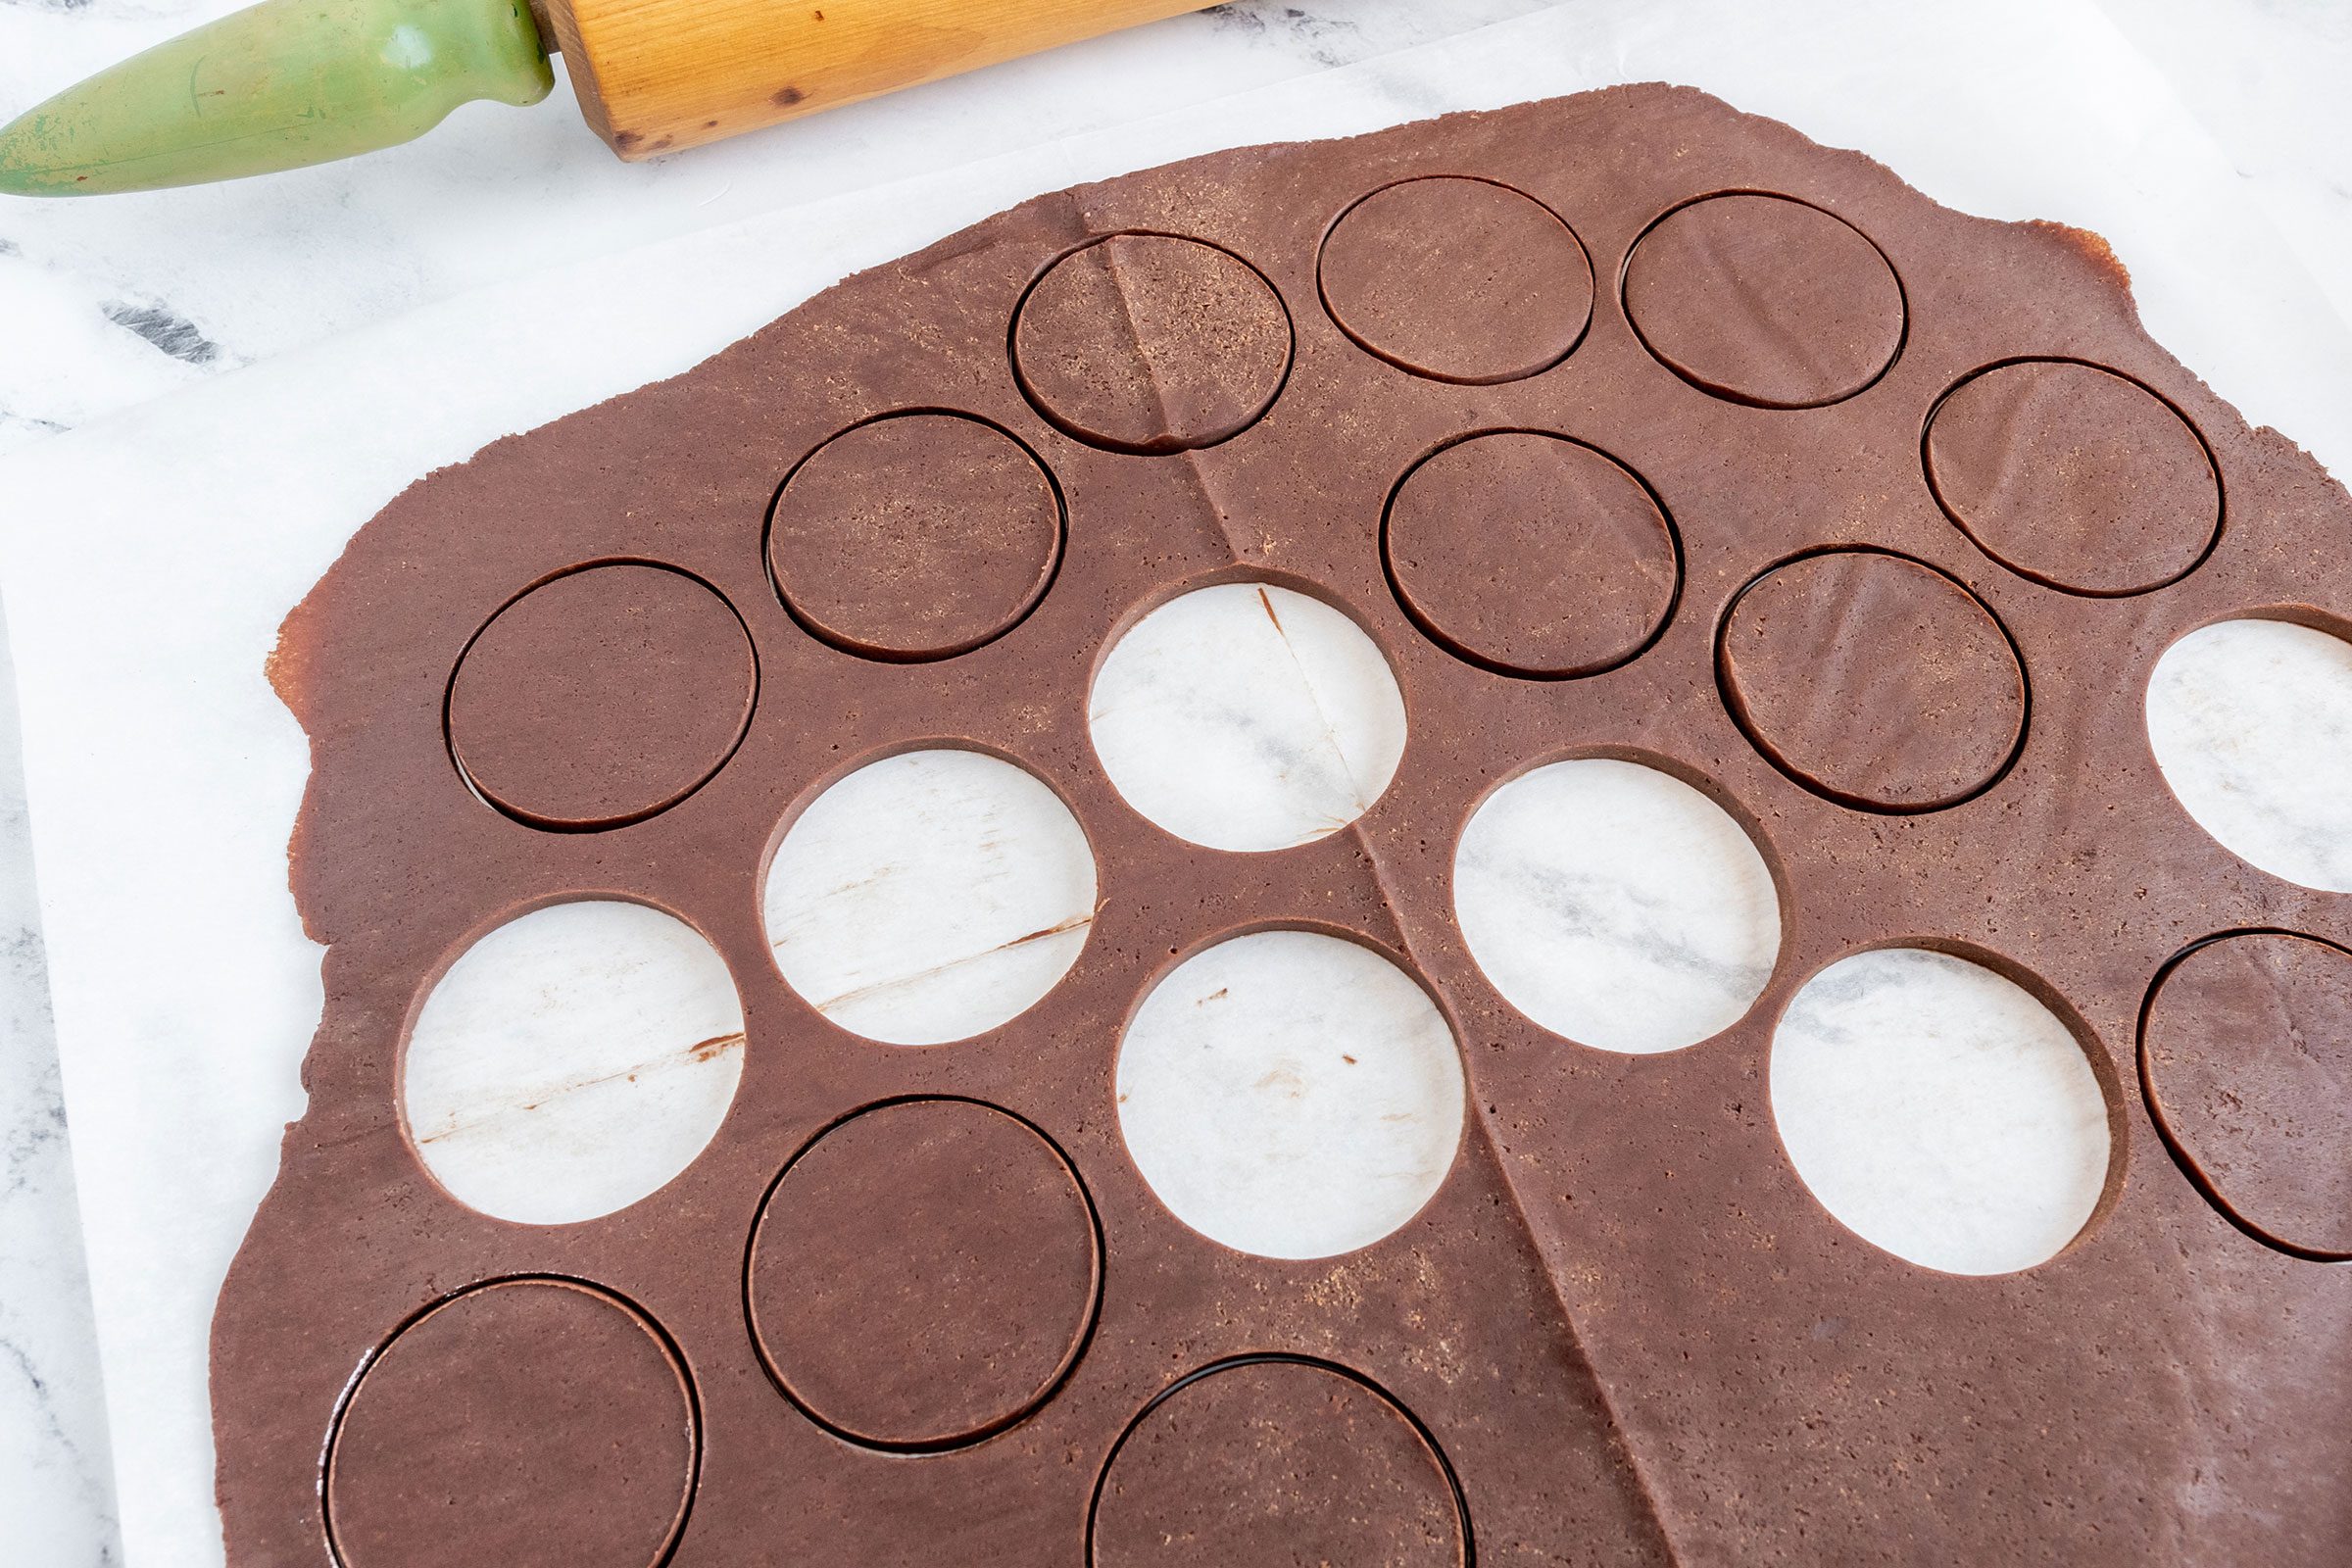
x,y
166,329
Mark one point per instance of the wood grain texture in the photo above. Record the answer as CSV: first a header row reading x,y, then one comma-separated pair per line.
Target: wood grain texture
x,y
655,75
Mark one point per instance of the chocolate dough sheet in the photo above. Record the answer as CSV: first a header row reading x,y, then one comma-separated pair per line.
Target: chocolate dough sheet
x,y
1626,426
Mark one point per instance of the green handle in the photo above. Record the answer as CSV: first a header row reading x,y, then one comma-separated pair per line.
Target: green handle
x,y
285,83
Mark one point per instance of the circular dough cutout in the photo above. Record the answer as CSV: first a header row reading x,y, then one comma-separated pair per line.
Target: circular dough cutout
x,y
1152,343
930,896
536,1423
924,1274
602,697
1940,1111
2073,476
1247,716
1276,1463
1289,1094
2247,1058
572,1062
915,536
1531,554
2251,723
1874,680
1458,279
1765,300
1616,906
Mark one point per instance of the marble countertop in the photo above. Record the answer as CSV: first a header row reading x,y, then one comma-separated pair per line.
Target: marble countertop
x,y
115,301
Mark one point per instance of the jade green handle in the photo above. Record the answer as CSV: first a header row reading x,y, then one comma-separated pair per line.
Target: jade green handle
x,y
285,83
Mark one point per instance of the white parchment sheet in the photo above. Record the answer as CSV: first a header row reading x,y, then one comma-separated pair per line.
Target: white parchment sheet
x,y
149,559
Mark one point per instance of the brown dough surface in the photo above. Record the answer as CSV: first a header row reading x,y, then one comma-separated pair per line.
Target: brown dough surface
x,y
602,697
499,1398
917,537
1148,343
1874,680
1765,300
924,1273
1622,1320
2074,476
1459,280
1531,554
1276,1464
2248,1056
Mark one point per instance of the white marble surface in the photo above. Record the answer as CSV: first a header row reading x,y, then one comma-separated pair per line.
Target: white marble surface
x,y
2266,77
2251,721
56,1484
929,896
1616,905
1247,717
340,298
1939,1110
572,1061
1289,1094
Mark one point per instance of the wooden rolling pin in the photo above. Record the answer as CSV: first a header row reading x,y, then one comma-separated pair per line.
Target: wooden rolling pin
x,y
289,83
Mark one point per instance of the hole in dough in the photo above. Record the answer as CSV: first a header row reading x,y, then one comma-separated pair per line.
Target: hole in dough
x,y
1939,1110
930,896
572,1062
1615,904
1247,716
2251,721
1289,1094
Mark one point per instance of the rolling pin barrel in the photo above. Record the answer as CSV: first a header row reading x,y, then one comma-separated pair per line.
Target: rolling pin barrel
x,y
289,83
655,75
